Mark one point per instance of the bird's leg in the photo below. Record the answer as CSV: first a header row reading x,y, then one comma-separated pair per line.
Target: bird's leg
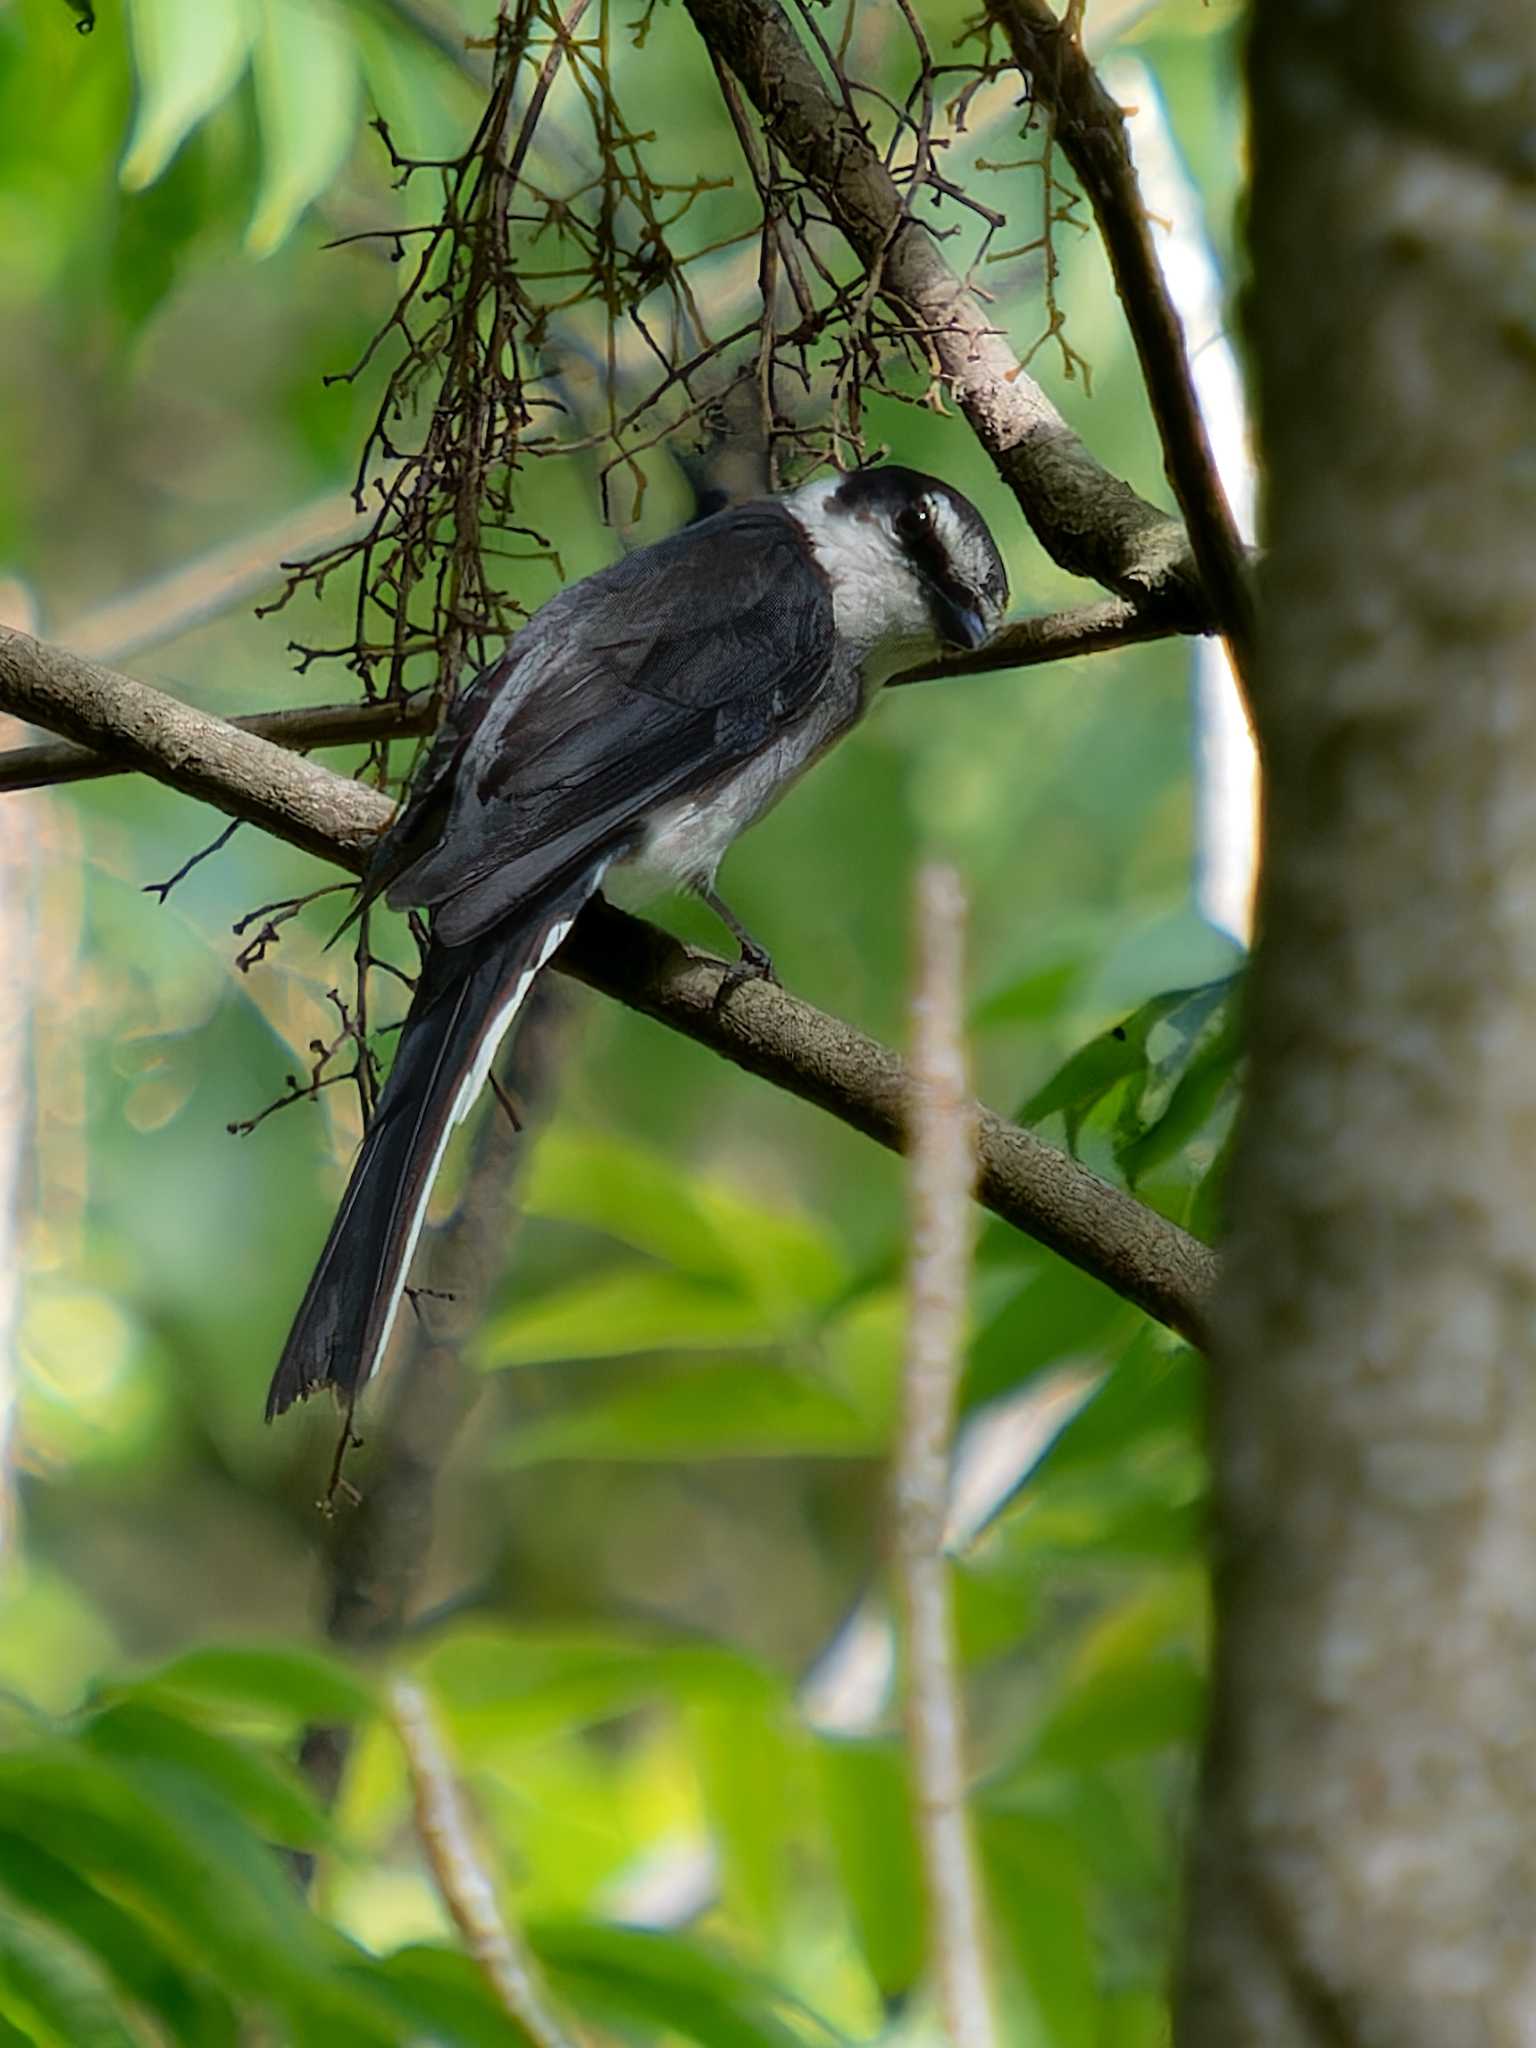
x,y
755,964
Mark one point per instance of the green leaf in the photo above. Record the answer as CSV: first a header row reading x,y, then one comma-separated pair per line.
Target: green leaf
x,y
1193,1059
272,1797
1039,1891
779,1257
305,68
611,1315
868,1803
186,1860
53,1993
189,55
1058,1312
712,1410
442,1993
1158,1702
1097,1067
660,1981
126,1944
1176,1053
1154,1391
295,1685
517,1684
740,1746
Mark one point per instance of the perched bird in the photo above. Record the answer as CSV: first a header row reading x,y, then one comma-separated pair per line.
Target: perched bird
x,y
644,716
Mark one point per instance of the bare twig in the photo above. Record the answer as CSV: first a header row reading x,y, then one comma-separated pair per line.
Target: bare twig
x,y
1087,520
1037,1189
1085,120
1025,643
943,1172
462,1881
1052,636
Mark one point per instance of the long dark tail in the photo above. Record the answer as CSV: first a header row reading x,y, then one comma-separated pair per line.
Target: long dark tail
x,y
464,1005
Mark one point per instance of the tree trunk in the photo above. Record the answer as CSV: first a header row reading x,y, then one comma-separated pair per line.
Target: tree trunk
x,y
1364,1866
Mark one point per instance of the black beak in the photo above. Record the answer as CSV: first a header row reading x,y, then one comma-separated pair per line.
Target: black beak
x,y
957,618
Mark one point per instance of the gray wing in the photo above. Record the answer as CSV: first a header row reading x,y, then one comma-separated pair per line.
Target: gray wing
x,y
649,681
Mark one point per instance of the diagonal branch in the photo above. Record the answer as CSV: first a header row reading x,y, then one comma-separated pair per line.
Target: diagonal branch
x,y
1087,122
1040,1191
1088,520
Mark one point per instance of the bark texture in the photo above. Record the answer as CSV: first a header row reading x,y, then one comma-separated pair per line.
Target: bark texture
x,y
1087,520
1365,1857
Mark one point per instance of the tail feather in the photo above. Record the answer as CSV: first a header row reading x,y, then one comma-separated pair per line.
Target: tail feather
x,y
465,1003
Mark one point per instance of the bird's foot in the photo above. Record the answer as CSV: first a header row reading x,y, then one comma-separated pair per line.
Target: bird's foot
x,y
755,964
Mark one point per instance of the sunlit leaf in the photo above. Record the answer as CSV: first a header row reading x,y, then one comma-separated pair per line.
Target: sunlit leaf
x,y
528,1685
661,1981
867,1799
125,1943
52,1993
718,1409
743,1753
291,1683
1039,1891
643,1308
1125,1710
305,67
445,1995
189,55
698,1225
270,1795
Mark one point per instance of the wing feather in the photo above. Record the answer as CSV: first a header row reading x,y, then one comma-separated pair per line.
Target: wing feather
x,y
646,682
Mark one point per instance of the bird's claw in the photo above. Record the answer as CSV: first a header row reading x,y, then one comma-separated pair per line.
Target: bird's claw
x,y
755,964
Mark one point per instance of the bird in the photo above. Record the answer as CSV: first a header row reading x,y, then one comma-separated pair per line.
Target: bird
x,y
640,720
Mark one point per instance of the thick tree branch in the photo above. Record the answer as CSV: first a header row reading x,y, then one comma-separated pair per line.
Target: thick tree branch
x,y
1087,123
1042,1192
1086,519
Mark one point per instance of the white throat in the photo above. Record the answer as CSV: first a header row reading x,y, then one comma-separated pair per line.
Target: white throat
x,y
878,604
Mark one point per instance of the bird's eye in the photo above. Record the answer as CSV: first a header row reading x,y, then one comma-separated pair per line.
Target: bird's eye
x,y
916,520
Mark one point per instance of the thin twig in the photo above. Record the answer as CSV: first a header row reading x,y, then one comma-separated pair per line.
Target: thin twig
x,y
1088,520
942,1175
306,726
1087,123
1024,643
462,1881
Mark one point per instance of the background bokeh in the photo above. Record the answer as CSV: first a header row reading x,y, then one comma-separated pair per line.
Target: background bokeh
x,y
667,1506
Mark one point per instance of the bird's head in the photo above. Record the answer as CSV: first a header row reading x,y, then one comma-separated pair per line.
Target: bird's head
x,y
909,557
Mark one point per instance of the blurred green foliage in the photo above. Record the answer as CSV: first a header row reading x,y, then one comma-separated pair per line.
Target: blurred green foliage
x,y
658,1549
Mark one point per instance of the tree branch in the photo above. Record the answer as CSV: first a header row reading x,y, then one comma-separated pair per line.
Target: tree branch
x,y
1087,122
306,726
1040,1191
1089,521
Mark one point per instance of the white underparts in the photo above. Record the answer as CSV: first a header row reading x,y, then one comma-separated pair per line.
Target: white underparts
x,y
496,1028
